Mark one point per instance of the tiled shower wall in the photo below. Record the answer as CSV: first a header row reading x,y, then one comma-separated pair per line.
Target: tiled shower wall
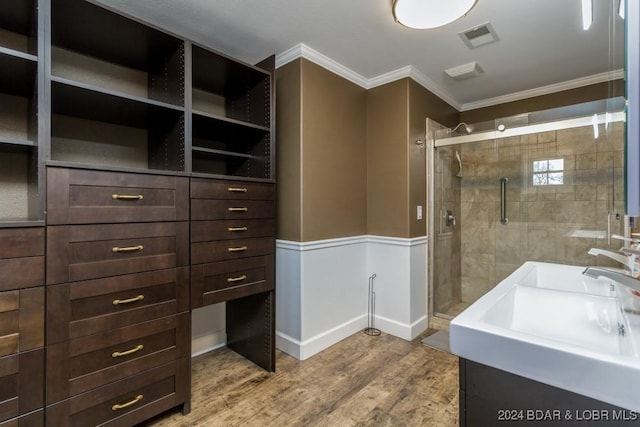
x,y
546,223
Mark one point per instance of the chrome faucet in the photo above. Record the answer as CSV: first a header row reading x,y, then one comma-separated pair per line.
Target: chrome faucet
x,y
624,258
620,277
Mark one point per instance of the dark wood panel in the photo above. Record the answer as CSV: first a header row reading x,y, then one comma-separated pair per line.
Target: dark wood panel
x,y
92,361
204,231
21,320
77,196
33,419
207,209
82,252
21,242
209,284
87,307
19,273
231,249
21,383
161,388
236,190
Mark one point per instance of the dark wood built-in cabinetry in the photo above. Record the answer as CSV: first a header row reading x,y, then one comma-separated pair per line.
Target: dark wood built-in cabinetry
x,y
136,184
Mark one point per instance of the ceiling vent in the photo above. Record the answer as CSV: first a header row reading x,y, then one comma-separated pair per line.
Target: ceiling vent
x,y
479,36
465,71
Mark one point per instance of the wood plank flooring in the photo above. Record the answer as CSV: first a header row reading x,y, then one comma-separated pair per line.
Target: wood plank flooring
x,y
361,381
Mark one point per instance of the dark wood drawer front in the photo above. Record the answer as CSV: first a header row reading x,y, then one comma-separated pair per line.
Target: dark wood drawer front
x,y
21,320
84,252
92,306
33,419
83,364
78,196
235,190
204,231
227,280
21,242
21,258
126,402
204,209
221,250
21,379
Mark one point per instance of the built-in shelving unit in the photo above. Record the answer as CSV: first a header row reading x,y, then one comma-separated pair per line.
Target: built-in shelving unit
x,y
134,137
19,189
117,90
231,117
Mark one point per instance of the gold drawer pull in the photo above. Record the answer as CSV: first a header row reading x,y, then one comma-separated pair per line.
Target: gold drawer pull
x,y
236,279
127,196
127,352
117,406
239,249
117,249
237,190
242,209
237,229
128,301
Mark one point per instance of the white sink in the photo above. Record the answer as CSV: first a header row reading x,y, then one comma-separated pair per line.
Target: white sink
x,y
549,323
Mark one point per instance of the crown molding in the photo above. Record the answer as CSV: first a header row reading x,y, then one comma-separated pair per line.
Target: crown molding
x,y
303,51
545,90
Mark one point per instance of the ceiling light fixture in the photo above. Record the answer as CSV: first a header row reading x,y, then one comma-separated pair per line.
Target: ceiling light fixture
x,y
587,14
423,14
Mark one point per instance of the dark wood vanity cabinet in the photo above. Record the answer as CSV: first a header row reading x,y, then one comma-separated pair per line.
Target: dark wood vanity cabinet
x,y
233,260
118,316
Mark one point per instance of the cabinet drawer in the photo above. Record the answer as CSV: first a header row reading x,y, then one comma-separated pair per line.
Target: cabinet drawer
x,y
126,402
21,258
222,250
82,252
92,306
21,379
76,196
21,320
206,209
204,231
227,280
33,419
235,190
82,364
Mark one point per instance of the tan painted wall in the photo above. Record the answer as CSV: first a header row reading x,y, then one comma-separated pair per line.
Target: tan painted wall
x,y
288,150
539,103
422,104
333,153
387,160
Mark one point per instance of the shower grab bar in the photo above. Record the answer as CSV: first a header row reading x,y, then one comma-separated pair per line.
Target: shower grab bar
x,y
503,201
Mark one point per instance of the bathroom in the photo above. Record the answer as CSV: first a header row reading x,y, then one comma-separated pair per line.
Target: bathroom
x,y
401,197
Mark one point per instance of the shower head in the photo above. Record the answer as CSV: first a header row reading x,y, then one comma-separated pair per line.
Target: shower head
x,y
468,129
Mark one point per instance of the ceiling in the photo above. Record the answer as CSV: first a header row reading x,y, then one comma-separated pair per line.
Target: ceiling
x,y
541,48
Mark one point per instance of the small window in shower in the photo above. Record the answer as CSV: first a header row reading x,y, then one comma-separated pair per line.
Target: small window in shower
x,y
548,172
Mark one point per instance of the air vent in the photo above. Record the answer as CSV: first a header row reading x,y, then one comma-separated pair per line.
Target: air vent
x,y
465,71
479,36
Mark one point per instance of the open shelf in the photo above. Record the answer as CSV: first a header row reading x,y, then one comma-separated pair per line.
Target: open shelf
x,y
223,146
225,87
18,25
93,45
111,129
18,184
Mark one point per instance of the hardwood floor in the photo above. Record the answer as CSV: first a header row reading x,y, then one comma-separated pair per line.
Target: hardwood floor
x,y
361,381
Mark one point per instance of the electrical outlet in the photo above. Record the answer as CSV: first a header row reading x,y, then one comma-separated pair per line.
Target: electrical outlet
x,y
419,212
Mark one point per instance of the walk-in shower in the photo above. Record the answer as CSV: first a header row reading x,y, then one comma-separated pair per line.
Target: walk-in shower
x,y
544,186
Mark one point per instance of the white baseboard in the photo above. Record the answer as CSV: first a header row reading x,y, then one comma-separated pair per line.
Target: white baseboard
x,y
402,330
206,343
314,345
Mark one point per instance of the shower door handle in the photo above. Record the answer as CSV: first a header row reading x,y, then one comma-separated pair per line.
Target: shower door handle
x,y
503,201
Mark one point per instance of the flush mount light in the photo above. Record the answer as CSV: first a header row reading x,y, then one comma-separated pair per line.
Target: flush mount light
x,y
423,14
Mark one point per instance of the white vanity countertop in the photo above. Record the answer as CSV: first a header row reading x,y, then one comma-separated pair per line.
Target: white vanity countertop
x,y
549,323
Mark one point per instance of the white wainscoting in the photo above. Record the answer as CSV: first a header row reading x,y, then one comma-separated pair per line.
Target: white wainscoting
x,y
322,290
